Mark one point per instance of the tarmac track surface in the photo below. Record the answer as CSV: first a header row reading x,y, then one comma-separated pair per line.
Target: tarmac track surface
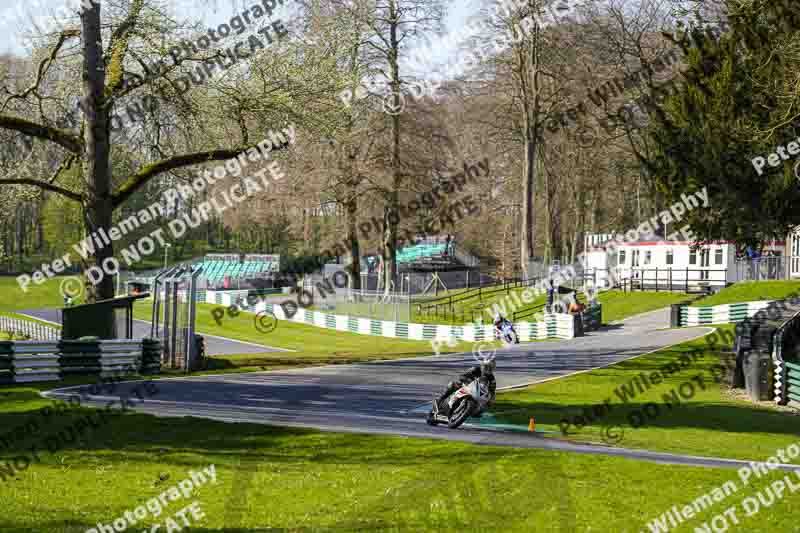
x,y
389,397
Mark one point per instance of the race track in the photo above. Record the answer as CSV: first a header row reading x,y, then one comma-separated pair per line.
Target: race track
x,y
388,397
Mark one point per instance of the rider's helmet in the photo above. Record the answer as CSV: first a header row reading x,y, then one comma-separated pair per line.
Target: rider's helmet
x,y
488,366
498,319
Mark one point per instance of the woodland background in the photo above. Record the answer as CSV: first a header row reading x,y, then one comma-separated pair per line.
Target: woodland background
x,y
722,99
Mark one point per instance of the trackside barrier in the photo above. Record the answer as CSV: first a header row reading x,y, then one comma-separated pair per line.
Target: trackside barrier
x,y
555,325
767,347
793,384
719,314
30,361
592,317
785,351
33,330
6,362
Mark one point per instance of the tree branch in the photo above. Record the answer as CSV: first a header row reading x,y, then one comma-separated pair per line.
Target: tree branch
x,y
60,137
140,179
43,185
118,48
65,165
44,66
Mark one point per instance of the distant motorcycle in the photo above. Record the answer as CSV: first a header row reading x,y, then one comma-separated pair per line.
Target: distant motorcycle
x,y
470,400
508,334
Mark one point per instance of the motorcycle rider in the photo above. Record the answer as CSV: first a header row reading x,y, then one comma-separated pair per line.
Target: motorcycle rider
x,y
499,322
485,370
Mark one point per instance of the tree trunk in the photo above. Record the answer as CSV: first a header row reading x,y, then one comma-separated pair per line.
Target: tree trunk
x,y
528,196
96,166
352,240
391,213
529,92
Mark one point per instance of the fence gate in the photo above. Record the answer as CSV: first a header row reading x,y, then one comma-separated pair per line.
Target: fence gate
x,y
174,315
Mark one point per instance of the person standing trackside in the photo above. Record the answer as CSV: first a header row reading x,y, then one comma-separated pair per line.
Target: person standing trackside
x,y
550,296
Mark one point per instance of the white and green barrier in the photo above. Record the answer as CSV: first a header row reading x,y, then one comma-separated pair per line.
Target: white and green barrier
x,y
786,360
555,325
30,361
719,314
787,383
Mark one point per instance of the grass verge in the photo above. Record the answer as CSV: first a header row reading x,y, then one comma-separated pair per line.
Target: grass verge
x,y
34,297
279,479
311,345
751,291
708,420
618,305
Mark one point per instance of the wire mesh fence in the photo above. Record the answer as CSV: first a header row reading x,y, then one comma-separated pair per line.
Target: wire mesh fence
x,y
767,268
377,305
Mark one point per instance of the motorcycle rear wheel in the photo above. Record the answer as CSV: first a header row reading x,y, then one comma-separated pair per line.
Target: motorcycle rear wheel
x,y
460,412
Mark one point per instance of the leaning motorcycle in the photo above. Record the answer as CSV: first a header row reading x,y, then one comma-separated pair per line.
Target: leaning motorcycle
x,y
508,334
470,400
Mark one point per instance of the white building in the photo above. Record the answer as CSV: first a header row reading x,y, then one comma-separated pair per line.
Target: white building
x,y
654,263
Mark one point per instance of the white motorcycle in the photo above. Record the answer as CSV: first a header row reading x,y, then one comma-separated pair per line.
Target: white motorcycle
x,y
471,399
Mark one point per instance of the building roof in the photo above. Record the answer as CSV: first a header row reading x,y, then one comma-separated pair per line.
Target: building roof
x,y
666,242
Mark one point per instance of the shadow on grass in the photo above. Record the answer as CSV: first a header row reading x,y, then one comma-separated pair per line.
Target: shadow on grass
x,y
695,410
133,437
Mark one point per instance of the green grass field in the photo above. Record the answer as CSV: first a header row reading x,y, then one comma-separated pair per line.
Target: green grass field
x,y
280,479
618,305
752,291
311,345
708,420
300,480
465,311
35,297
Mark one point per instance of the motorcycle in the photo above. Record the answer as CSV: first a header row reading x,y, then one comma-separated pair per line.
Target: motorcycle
x,y
470,400
508,334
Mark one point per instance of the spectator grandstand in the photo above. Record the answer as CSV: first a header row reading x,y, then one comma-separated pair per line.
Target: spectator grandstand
x,y
434,253
222,269
425,253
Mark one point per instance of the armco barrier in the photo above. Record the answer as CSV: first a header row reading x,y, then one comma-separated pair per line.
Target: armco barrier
x,y
555,325
29,361
36,361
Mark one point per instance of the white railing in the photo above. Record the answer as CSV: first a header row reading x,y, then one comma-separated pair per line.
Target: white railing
x,y
33,330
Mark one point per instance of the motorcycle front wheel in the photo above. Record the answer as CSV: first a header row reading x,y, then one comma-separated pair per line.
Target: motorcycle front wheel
x,y
431,420
461,411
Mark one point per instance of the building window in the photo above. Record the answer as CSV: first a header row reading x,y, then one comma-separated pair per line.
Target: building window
x,y
622,257
718,256
670,257
647,256
692,256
